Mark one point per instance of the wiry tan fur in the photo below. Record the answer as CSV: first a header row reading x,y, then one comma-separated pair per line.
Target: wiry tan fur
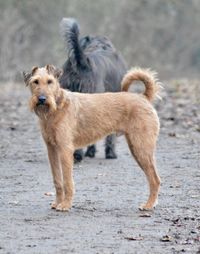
x,y
148,77
73,120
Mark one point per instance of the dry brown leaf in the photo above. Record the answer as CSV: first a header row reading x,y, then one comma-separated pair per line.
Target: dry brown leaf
x,y
145,215
132,238
166,238
49,194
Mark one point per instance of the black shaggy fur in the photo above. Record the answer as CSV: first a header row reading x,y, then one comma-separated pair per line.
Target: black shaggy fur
x,y
93,65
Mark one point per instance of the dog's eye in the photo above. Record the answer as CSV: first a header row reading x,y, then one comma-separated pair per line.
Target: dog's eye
x,y
49,81
36,81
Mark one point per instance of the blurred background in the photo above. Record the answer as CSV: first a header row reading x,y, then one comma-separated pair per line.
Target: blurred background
x,y
160,34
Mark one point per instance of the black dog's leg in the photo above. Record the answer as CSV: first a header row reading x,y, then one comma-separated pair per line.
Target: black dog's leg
x,y
78,155
91,150
110,147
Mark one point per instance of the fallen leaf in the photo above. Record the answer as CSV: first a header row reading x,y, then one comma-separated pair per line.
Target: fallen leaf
x,y
49,193
132,238
194,196
188,241
12,128
172,134
166,238
197,239
175,221
14,202
146,215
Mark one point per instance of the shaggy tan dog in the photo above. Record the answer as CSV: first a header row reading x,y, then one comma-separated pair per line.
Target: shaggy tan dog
x,y
73,120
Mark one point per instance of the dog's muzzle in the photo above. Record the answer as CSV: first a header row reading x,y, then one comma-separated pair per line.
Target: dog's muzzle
x,y
41,100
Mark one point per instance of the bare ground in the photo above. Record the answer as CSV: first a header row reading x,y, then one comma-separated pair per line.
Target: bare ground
x,y
104,217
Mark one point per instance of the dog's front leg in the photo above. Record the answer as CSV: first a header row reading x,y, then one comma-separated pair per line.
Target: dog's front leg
x,y
66,158
57,174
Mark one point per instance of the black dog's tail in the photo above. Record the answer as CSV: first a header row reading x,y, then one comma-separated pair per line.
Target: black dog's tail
x,y
70,32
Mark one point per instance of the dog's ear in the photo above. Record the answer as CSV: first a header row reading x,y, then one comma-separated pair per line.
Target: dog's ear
x,y
58,73
27,77
34,69
53,70
50,68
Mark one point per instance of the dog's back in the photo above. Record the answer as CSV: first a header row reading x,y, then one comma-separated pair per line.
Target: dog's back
x,y
93,64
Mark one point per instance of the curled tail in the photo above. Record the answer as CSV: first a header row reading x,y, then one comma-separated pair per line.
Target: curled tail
x,y
148,77
70,32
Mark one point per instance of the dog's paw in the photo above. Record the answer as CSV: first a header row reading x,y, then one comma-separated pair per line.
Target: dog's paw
x,y
110,154
64,206
91,150
78,156
54,205
147,207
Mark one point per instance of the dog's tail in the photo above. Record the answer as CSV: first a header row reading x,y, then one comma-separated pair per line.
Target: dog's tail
x,y
148,77
70,32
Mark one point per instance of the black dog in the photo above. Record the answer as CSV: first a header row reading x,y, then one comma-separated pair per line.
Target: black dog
x,y
93,66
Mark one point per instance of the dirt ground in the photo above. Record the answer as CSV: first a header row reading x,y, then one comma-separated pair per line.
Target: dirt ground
x,y
105,216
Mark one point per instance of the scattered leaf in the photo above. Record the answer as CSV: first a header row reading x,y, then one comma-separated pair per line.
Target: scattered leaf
x,y
194,196
145,215
188,241
172,134
198,129
49,193
12,128
14,202
132,238
166,238
175,221
197,239
29,160
119,231
31,245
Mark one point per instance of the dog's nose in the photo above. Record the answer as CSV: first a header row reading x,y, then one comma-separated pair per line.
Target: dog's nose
x,y
41,99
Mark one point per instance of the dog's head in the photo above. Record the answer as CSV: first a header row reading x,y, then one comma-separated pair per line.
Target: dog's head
x,y
45,89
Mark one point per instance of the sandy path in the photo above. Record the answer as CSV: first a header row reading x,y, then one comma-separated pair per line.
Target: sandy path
x,y
104,217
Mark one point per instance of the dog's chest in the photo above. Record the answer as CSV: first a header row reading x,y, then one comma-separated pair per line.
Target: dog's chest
x,y
49,133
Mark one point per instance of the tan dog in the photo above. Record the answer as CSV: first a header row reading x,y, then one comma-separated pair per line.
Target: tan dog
x,y
73,120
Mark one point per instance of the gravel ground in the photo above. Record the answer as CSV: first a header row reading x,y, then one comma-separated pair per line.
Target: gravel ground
x,y
105,216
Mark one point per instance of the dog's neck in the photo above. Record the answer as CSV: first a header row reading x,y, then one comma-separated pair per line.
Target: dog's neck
x,y
62,101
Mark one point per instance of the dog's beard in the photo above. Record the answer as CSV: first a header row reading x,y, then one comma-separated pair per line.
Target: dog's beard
x,y
43,110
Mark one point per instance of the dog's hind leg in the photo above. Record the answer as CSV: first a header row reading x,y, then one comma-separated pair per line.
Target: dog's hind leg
x,y
110,147
78,155
91,150
143,152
